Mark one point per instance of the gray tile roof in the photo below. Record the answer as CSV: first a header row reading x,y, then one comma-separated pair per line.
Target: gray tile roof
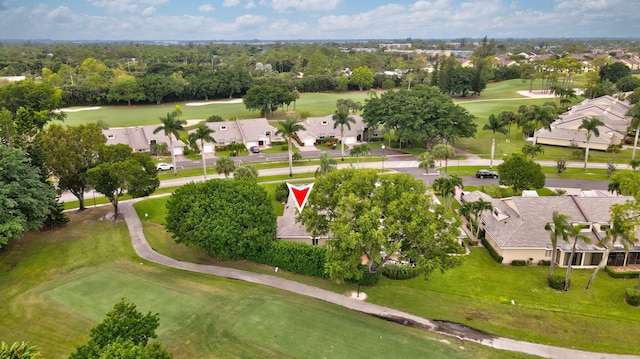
x,y
527,216
323,126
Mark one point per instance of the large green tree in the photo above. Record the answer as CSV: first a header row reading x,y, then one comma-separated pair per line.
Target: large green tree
x,y
267,98
230,219
126,89
125,333
423,116
362,77
71,152
133,173
626,183
25,199
379,216
520,173
288,129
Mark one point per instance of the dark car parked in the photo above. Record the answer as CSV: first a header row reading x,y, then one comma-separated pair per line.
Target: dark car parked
x,y
254,149
486,174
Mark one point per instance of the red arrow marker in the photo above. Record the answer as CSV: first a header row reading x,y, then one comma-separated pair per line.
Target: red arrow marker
x,y
300,194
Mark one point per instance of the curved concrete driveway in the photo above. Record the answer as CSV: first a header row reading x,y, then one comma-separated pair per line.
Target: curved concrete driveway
x,y
144,250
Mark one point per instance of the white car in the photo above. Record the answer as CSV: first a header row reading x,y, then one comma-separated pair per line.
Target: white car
x,y
163,166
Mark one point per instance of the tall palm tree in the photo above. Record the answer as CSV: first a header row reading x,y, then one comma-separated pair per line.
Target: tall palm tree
x,y
559,229
171,125
477,208
203,134
575,232
225,165
288,128
542,116
362,149
591,126
622,228
426,162
442,152
341,118
466,210
509,117
634,112
494,125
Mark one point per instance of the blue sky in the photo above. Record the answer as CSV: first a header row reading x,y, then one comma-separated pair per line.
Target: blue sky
x,y
315,19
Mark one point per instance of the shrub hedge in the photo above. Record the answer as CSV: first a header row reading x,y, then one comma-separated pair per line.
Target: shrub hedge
x,y
633,296
498,258
519,262
368,279
557,282
544,262
621,275
295,257
282,192
398,272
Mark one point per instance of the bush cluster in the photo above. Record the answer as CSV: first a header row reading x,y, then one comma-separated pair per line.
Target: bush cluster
x,y
368,279
544,262
282,192
633,296
557,282
294,257
519,262
398,272
498,258
621,275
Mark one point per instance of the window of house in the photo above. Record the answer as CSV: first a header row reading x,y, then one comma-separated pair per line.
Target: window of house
x,y
548,253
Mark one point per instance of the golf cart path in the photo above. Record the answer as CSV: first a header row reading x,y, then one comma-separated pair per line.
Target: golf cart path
x,y
144,250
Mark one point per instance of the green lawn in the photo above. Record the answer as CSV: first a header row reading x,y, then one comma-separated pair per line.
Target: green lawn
x,y
58,284
478,293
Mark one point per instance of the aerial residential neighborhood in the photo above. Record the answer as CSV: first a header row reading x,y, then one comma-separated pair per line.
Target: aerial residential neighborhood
x,y
303,179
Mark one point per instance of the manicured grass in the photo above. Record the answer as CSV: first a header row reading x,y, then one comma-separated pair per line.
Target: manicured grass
x,y
58,284
479,292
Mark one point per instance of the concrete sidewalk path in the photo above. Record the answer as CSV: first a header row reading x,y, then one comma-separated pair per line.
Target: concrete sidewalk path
x,y
144,250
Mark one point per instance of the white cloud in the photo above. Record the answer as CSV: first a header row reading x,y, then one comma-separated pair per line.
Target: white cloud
x,y
61,14
206,8
231,3
116,6
149,11
250,5
304,5
250,21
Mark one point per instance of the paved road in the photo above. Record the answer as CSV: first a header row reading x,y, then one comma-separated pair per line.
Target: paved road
x,y
144,250
398,162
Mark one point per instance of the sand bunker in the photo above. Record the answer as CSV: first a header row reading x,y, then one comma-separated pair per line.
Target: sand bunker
x,y
220,102
77,109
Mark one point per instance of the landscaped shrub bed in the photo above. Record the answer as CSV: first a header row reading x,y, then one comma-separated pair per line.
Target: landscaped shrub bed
x,y
544,262
282,192
399,272
518,262
633,296
295,257
498,258
621,275
368,279
557,282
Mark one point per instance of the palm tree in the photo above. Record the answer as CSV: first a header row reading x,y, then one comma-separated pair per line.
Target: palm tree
x,y
447,188
542,116
171,125
442,152
341,118
426,162
575,232
591,126
288,129
246,171
466,210
202,134
508,117
225,165
362,149
634,112
559,229
495,125
19,350
477,208
327,164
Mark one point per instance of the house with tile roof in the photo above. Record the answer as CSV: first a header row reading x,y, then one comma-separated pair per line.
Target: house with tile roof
x,y
565,131
514,228
141,138
319,128
251,132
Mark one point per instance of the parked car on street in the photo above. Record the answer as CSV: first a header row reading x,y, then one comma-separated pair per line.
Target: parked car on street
x,y
486,174
163,166
254,149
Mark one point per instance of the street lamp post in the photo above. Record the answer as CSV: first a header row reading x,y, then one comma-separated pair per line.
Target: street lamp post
x,y
383,157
